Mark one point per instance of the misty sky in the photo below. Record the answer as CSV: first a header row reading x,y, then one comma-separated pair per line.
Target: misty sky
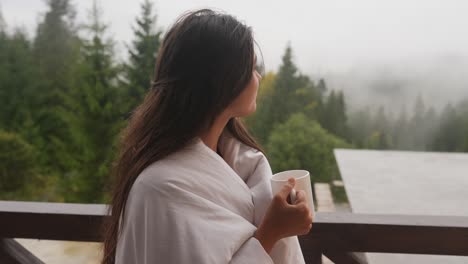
x,y
325,35
328,36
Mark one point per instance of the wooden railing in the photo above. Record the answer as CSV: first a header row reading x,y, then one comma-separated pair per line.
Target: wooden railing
x,y
339,236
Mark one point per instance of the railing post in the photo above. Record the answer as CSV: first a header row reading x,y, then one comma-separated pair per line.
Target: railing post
x,y
12,252
311,249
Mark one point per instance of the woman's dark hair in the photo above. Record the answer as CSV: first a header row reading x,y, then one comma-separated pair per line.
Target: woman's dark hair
x,y
204,63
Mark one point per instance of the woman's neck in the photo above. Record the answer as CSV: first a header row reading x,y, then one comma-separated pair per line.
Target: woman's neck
x,y
211,136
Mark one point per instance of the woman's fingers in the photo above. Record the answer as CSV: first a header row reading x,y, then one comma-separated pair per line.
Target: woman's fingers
x,y
300,197
283,194
302,206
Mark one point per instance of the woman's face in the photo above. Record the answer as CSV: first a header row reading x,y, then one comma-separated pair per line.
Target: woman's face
x,y
245,103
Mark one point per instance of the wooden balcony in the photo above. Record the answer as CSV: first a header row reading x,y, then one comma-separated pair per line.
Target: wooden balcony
x,y
342,237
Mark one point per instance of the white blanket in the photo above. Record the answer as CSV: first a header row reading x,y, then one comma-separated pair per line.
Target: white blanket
x,y
196,207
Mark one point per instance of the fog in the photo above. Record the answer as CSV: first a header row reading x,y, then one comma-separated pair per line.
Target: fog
x,y
378,52
394,85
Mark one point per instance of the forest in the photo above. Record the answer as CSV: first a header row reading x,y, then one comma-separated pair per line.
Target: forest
x,y
65,96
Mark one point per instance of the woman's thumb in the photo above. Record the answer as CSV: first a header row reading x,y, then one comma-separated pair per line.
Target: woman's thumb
x,y
286,189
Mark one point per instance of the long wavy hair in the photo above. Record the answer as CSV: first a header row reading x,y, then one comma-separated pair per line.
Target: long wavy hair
x,y
204,63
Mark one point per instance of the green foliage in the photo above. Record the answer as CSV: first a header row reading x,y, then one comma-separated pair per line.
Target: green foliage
x,y
339,194
424,130
16,79
359,126
93,116
286,121
378,140
422,126
17,162
256,122
301,143
64,98
333,114
56,51
55,56
452,133
293,92
142,56
400,131
380,130
289,92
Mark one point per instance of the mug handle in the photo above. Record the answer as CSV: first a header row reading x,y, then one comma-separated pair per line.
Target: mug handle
x,y
292,194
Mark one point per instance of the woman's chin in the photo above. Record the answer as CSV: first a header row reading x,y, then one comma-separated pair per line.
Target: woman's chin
x,y
248,112
252,109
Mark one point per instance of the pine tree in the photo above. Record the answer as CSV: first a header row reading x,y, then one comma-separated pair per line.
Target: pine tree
x,y
333,115
56,51
285,85
57,45
417,125
381,122
429,126
143,54
292,93
94,116
463,106
342,126
322,87
17,76
400,133
380,136
450,131
360,126
18,83
328,114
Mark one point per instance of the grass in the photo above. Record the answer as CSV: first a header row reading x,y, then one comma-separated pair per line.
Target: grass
x,y
339,194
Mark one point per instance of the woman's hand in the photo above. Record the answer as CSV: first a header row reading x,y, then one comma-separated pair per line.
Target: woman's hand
x,y
283,219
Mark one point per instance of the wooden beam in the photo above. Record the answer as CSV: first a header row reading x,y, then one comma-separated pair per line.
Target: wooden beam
x,y
348,232
331,232
311,250
54,221
339,257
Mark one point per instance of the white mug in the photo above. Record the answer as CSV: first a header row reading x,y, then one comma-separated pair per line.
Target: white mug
x,y
302,183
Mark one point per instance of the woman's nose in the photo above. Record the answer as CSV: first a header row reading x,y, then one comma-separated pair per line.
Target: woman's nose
x,y
259,76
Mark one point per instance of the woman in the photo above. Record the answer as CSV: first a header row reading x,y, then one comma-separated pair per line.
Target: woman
x,y
192,185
